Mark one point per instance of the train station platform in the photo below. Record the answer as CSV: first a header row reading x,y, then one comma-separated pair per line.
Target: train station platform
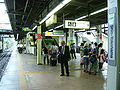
x,y
22,73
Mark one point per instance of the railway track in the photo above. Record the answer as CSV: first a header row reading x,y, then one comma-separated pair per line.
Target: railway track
x,y
4,59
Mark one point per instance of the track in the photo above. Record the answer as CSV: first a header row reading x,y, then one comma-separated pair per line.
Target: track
x,y
4,59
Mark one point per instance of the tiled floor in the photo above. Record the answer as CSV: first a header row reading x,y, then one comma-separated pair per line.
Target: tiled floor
x,y
46,77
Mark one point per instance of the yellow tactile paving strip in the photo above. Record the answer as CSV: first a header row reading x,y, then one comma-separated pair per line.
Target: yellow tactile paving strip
x,y
22,81
48,71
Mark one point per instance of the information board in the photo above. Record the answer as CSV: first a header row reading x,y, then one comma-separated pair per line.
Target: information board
x,y
112,26
77,24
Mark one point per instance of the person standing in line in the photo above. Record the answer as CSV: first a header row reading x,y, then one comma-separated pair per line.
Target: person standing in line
x,y
99,52
81,54
45,49
72,46
92,45
102,59
90,48
93,62
86,57
53,59
64,58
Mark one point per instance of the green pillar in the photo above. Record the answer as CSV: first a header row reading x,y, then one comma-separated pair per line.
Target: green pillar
x,y
71,36
39,45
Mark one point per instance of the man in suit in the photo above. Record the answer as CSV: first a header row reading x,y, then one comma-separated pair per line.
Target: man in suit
x,y
65,57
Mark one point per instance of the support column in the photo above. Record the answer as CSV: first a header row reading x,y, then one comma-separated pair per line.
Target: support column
x,y
39,45
71,36
113,81
99,34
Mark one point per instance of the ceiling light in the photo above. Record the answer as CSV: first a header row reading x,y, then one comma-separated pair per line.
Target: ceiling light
x,y
62,4
96,12
59,26
34,27
50,30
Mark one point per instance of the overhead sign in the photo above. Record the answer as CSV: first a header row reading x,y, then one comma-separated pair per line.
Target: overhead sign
x,y
58,32
53,34
77,24
27,29
51,20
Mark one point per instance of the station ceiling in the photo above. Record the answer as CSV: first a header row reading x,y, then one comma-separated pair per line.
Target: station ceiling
x,y
28,13
79,8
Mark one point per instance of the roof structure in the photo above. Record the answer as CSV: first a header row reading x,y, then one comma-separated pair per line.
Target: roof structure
x,y
28,13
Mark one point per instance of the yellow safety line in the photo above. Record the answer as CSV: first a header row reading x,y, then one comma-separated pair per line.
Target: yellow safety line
x,y
22,81
49,71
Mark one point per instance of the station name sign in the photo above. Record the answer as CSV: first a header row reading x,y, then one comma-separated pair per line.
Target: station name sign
x,y
55,33
77,24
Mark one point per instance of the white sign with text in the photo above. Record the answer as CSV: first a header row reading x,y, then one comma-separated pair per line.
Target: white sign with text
x,y
77,24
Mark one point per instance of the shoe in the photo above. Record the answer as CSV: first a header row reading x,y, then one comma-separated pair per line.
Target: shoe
x,y
67,75
95,74
89,72
62,75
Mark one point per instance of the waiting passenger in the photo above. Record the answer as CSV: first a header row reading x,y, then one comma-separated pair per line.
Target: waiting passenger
x,y
53,59
45,49
99,52
72,46
93,62
90,48
86,57
64,58
96,47
102,59
81,54
92,45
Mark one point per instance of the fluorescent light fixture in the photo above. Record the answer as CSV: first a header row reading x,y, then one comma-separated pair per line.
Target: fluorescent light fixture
x,y
17,36
62,4
59,26
34,27
82,30
93,28
50,30
81,18
96,12
104,9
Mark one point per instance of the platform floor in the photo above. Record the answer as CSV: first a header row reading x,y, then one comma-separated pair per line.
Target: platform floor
x,y
22,73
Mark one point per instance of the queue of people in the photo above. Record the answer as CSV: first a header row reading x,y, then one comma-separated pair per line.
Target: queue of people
x,y
50,52
62,53
92,57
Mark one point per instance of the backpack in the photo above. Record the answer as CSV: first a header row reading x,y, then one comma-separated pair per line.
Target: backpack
x,y
86,51
93,58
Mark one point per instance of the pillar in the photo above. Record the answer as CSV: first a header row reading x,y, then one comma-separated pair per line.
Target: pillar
x,y
71,36
39,45
99,34
113,80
